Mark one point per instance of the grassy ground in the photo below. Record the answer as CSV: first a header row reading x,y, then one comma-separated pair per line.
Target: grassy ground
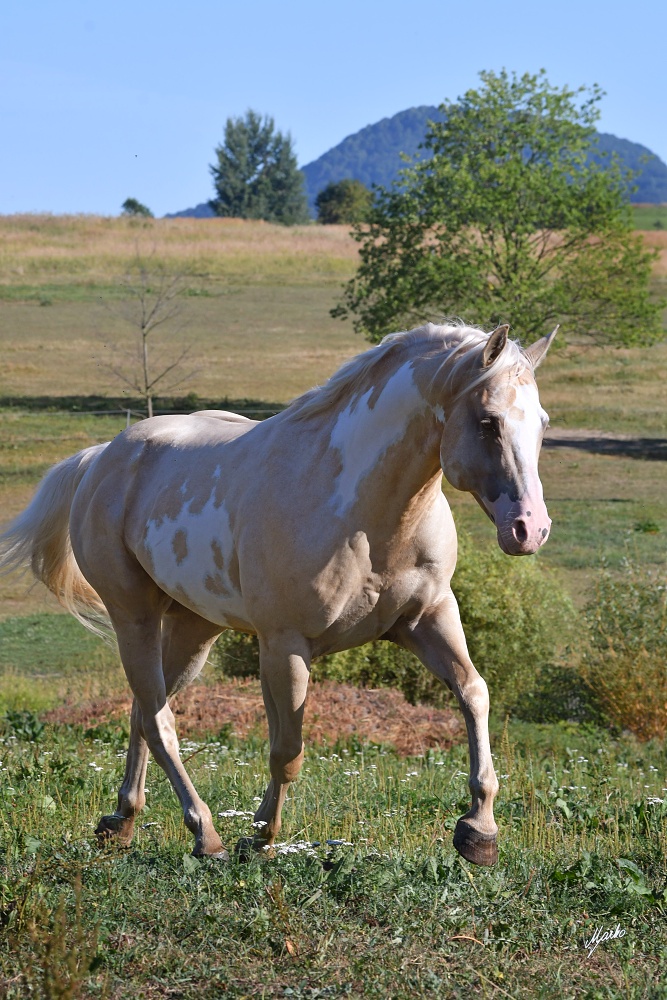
x,y
391,913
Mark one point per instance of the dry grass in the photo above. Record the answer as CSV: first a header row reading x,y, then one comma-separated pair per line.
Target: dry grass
x,y
658,241
93,248
333,712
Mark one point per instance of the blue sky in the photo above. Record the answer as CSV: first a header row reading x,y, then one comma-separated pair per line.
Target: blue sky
x,y
100,102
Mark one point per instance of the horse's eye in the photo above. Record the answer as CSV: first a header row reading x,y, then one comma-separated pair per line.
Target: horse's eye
x,y
490,426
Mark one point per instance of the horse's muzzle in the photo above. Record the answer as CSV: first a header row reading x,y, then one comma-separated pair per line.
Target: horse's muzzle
x,y
522,538
523,526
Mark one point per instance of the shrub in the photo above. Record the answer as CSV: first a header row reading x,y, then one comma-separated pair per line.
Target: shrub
x,y
515,616
134,208
236,654
624,661
346,201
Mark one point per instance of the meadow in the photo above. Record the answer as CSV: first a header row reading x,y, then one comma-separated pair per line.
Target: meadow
x,y
649,216
390,910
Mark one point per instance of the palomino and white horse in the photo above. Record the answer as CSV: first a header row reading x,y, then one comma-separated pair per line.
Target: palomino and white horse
x,y
321,528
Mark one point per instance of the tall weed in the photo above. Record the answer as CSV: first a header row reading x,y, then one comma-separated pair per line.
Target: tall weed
x,y
624,662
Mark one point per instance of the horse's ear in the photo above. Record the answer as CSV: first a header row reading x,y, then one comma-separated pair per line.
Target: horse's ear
x,y
495,345
537,351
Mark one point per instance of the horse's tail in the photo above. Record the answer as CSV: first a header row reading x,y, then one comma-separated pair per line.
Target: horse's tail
x,y
40,538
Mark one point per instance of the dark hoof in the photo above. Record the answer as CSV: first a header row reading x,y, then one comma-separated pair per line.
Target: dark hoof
x,y
247,846
115,828
221,855
479,848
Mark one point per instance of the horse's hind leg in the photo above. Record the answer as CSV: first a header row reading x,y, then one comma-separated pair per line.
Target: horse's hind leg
x,y
119,825
439,642
140,649
186,641
284,670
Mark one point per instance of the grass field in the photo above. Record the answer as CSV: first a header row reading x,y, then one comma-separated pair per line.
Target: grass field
x,y
393,912
650,216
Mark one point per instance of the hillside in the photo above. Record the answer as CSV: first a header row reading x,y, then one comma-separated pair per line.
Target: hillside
x,y
373,156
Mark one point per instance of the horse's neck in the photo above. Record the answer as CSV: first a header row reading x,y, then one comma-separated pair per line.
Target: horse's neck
x,y
388,440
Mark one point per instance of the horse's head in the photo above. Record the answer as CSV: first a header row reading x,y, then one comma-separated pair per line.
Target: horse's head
x,y
493,434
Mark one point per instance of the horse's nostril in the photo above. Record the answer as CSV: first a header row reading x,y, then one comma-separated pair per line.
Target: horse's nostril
x,y
520,531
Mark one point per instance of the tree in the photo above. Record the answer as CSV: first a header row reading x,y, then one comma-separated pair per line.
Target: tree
x,y
133,207
256,174
343,201
152,302
509,216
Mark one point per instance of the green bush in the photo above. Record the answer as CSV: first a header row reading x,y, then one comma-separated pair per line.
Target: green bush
x,y
624,658
515,615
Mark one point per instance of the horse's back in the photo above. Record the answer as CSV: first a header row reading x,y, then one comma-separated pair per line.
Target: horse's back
x,y
201,428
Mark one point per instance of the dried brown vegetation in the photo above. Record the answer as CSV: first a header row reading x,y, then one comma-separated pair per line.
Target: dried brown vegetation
x,y
333,712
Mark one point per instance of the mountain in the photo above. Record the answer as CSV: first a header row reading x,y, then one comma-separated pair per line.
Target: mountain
x,y
373,156
201,211
652,180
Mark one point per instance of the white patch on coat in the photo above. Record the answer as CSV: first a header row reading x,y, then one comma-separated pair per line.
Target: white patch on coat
x,y
203,572
526,436
362,435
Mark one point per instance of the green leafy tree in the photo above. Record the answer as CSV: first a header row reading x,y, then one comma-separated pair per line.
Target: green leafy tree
x,y
343,201
256,174
133,207
508,217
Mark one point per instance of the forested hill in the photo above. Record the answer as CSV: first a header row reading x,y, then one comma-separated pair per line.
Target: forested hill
x,y
373,156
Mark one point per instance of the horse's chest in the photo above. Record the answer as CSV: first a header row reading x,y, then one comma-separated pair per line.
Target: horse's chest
x,y
360,595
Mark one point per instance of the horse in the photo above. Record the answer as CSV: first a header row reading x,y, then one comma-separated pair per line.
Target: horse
x,y
321,528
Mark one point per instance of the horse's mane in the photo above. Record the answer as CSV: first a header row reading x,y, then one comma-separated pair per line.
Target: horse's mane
x,y
460,346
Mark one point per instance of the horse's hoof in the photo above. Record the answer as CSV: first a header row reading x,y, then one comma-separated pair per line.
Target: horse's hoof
x,y
117,828
479,848
247,846
222,855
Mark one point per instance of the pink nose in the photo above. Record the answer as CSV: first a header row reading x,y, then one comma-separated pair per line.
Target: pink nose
x,y
526,534
522,525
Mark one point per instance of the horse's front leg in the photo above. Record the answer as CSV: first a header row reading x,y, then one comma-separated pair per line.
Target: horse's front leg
x,y
438,640
284,671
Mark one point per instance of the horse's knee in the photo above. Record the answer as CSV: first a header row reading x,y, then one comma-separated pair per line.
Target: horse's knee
x,y
285,762
475,695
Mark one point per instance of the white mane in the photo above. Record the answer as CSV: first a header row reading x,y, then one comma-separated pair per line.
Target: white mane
x,y
459,372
